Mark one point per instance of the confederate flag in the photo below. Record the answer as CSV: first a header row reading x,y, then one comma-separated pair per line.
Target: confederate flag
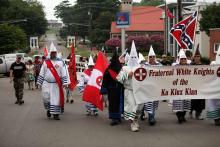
x,y
72,69
92,90
184,31
169,14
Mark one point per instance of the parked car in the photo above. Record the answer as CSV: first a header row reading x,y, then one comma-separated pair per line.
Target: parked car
x,y
5,66
7,59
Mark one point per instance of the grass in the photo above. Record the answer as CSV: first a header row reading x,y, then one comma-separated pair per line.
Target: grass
x,y
52,31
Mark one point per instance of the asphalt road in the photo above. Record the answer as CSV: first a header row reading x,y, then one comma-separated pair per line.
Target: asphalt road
x,y
28,126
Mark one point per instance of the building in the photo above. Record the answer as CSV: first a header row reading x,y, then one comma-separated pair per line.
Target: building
x,y
214,42
54,24
201,37
171,45
144,21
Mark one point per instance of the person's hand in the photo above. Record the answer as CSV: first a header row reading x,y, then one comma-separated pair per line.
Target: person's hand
x,y
65,86
130,75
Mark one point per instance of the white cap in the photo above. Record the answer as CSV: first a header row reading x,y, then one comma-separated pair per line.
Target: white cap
x,y
182,54
141,58
217,58
91,62
133,58
52,47
151,52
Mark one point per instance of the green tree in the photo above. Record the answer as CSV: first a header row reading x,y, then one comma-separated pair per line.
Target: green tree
x,y
12,38
30,10
90,18
151,2
210,18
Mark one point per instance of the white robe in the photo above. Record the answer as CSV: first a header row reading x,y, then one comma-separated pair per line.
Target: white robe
x,y
131,108
50,89
213,106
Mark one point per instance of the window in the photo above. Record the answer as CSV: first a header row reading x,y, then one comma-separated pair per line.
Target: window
x,y
217,45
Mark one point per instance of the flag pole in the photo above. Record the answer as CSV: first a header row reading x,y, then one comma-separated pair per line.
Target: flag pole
x,y
179,12
165,29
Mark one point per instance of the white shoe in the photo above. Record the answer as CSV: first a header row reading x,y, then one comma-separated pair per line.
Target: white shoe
x,y
134,127
88,112
137,124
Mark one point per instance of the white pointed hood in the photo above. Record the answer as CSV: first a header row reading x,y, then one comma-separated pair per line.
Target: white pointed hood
x,y
151,52
133,59
52,47
182,54
127,56
141,58
91,62
217,58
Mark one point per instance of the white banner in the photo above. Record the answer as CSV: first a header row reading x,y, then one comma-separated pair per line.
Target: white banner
x,y
176,82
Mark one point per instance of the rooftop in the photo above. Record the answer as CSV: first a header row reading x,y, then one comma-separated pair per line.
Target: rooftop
x,y
143,18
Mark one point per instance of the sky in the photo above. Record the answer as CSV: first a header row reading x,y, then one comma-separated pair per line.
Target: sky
x,y
49,5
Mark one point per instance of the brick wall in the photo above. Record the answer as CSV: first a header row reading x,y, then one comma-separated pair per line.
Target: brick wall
x,y
214,38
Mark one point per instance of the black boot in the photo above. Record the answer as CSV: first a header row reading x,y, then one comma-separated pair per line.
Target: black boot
x,y
114,122
217,122
142,117
16,102
151,119
20,102
71,101
62,110
183,116
178,114
48,114
56,117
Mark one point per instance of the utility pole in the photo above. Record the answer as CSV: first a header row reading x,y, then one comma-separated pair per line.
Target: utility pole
x,y
179,11
165,30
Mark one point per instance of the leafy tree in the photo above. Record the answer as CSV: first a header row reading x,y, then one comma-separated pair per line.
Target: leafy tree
x,y
90,18
210,18
157,42
113,43
141,42
11,38
151,2
3,7
101,29
30,10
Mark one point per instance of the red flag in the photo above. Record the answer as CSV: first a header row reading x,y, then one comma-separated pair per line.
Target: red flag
x,y
72,69
45,52
184,31
91,92
169,14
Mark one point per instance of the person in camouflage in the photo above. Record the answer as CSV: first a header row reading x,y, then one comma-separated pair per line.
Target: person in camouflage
x,y
17,72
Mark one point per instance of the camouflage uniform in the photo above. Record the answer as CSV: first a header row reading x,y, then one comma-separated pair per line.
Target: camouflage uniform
x,y
18,70
19,87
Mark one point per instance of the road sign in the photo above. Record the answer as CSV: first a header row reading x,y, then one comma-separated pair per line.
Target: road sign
x,y
123,19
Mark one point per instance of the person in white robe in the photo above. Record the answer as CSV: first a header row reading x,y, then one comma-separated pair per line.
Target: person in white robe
x,y
132,110
50,89
85,76
181,106
213,111
152,106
